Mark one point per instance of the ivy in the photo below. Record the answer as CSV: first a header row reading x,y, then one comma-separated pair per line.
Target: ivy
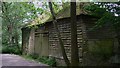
x,y
105,12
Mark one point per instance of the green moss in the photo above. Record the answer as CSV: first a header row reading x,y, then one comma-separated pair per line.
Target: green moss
x,y
101,47
47,17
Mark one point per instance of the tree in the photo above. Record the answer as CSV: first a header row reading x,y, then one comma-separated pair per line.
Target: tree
x,y
58,33
109,13
13,15
74,46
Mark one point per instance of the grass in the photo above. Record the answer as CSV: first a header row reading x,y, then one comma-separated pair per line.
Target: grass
x,y
43,59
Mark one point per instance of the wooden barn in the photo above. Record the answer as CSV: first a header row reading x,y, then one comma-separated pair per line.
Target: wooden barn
x,y
43,40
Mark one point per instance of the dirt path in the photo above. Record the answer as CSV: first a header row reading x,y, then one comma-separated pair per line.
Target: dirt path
x,y
15,60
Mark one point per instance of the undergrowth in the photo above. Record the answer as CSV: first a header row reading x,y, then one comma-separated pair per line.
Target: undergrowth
x,y
43,59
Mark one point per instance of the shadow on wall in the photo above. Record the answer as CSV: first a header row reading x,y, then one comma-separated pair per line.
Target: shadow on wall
x,y
99,52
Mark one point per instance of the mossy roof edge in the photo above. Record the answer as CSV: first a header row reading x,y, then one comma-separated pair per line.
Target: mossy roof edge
x,y
50,21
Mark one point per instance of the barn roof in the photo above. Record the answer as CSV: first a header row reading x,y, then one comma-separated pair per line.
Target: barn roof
x,y
45,17
64,13
81,15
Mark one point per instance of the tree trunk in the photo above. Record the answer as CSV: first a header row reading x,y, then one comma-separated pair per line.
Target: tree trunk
x,y
74,46
58,34
17,43
9,26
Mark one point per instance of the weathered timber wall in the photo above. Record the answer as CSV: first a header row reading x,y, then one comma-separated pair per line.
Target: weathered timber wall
x,y
64,28
99,46
25,38
41,46
90,43
31,42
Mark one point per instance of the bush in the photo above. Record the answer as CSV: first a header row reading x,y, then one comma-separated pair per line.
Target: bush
x,y
47,60
44,59
10,50
34,56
